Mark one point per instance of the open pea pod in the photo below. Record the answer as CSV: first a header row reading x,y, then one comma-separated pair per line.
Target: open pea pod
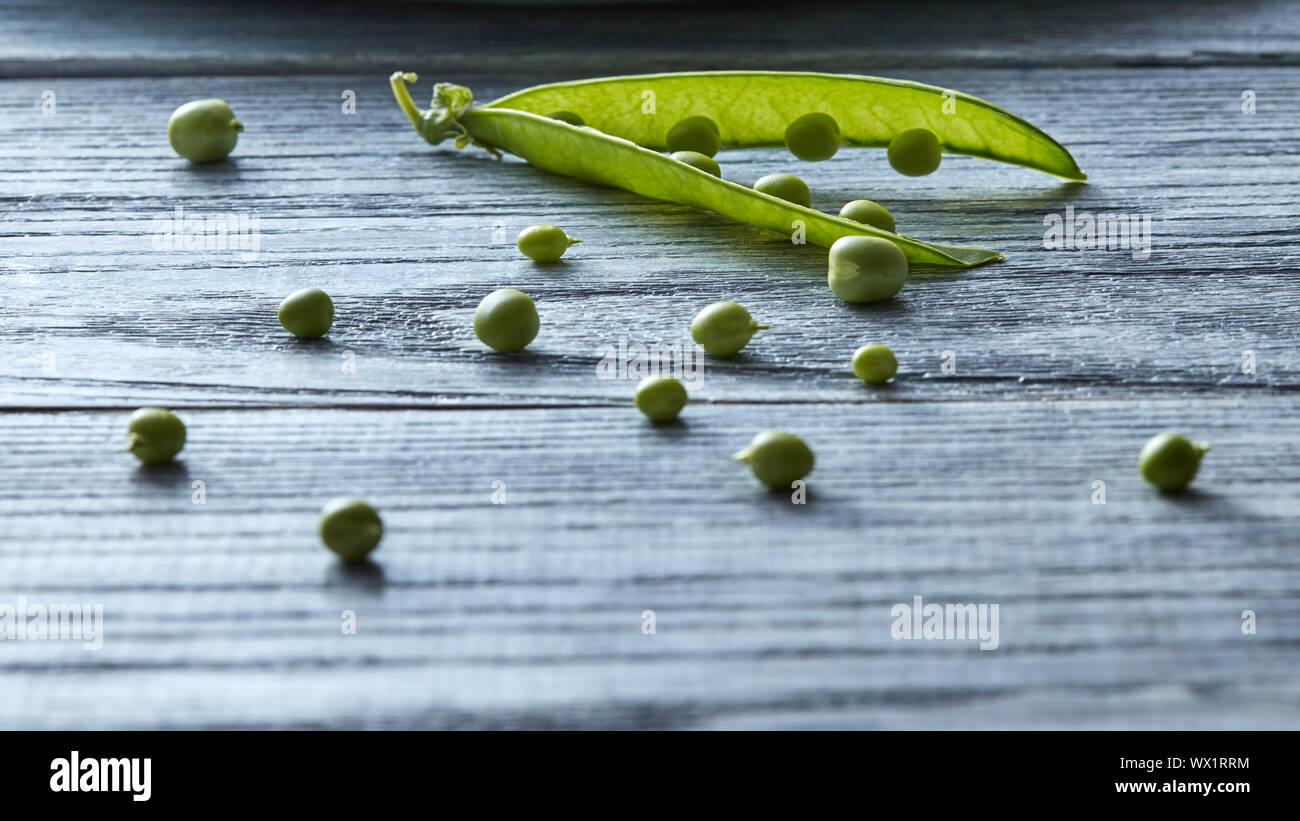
x,y
753,108
591,155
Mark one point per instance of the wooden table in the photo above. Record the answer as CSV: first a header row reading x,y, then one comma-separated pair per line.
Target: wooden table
x,y
972,483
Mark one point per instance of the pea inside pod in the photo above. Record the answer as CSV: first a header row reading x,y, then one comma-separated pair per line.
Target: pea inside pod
x,y
724,328
697,133
567,117
697,160
813,137
869,213
203,130
915,152
787,187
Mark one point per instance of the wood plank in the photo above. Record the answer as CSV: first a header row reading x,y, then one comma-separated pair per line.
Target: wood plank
x,y
402,234
527,614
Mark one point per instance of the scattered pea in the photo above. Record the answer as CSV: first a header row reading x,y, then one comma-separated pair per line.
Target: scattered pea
x,y
866,269
544,243
869,213
915,152
813,137
154,435
874,364
785,186
506,320
777,458
724,328
203,130
697,160
1170,461
308,313
567,117
351,528
661,398
695,133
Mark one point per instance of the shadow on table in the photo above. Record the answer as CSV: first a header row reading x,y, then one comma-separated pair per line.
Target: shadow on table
x,y
320,344
1204,501
893,307
220,171
781,498
165,475
365,576
676,430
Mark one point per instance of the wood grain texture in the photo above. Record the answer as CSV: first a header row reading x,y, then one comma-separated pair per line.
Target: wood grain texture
x,y
969,486
528,613
402,234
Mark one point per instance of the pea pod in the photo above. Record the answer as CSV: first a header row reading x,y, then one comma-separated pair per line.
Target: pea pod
x,y
752,109
590,155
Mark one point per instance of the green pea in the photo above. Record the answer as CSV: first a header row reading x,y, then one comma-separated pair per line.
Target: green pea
x,y
777,458
661,398
506,320
813,137
915,152
869,213
785,186
724,328
544,243
308,313
695,133
866,269
567,117
351,528
697,160
154,435
1170,462
874,364
203,130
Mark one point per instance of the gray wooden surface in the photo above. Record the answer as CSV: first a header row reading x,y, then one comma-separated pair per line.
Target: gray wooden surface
x,y
970,486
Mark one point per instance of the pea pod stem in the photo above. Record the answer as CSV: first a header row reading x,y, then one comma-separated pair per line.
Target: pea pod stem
x,y
398,81
593,156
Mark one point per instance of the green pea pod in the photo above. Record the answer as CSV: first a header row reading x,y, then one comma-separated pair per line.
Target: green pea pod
x,y
590,155
753,108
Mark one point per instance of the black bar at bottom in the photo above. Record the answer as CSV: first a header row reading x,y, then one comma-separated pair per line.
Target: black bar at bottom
x,y
335,771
